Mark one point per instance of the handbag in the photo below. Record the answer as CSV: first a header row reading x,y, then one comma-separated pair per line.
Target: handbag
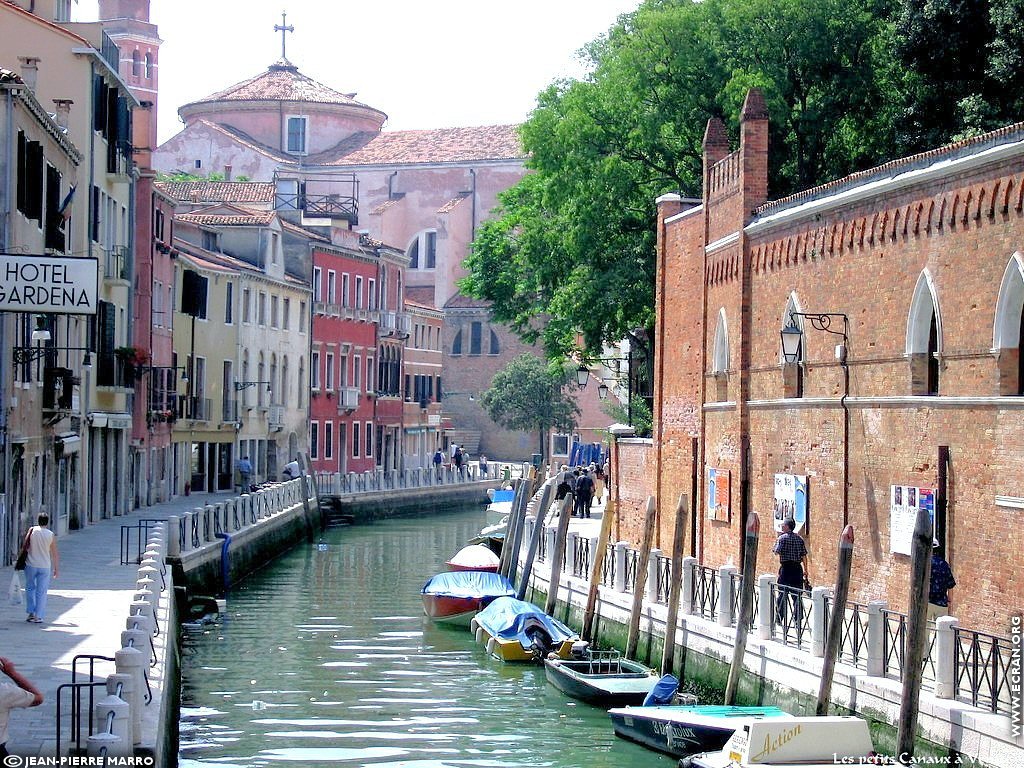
x,y
19,564
16,589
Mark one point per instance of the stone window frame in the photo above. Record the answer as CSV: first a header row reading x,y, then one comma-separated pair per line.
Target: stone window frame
x,y
288,134
1008,328
720,357
924,339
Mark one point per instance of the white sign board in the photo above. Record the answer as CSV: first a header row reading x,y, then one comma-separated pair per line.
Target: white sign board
x,y
790,501
904,503
48,284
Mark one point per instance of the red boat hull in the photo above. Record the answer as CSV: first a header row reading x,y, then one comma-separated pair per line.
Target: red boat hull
x,y
452,610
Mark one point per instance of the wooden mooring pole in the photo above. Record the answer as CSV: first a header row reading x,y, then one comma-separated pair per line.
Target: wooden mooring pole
x,y
739,649
506,565
668,656
834,638
556,557
531,553
643,557
596,572
917,635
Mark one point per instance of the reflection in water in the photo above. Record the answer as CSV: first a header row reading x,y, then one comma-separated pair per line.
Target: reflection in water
x,y
325,658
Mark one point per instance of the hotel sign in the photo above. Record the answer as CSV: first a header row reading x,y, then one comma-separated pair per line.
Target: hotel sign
x,y
48,284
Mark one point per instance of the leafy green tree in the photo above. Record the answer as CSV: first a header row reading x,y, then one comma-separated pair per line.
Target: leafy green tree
x,y
569,258
638,414
530,394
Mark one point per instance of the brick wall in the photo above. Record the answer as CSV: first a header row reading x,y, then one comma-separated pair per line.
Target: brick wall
x,y
880,254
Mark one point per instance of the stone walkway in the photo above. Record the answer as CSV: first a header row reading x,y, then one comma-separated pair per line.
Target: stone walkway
x,y
86,612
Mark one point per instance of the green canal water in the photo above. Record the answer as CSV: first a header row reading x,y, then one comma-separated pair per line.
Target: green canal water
x,y
325,658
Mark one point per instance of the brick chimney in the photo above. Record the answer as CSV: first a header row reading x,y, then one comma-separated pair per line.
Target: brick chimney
x,y
227,172
754,151
63,110
30,71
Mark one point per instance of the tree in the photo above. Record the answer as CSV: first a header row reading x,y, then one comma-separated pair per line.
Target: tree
x,y
637,414
570,254
530,394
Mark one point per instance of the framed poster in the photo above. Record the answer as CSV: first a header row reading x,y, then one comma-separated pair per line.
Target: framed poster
x,y
904,503
718,494
790,501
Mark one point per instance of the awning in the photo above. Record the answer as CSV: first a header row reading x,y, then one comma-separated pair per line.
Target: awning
x,y
111,420
68,443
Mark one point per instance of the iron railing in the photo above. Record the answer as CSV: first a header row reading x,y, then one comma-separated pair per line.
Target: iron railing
x,y
705,592
737,593
791,616
632,560
138,535
581,558
981,669
608,569
853,637
664,583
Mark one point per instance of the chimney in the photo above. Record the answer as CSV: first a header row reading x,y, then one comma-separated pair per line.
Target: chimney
x,y
63,108
29,70
227,173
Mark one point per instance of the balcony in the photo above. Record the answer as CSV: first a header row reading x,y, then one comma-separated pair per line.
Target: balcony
x,y
348,399
229,410
333,196
394,324
195,408
115,266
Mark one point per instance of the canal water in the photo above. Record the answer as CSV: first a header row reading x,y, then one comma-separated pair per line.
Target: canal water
x,y
325,658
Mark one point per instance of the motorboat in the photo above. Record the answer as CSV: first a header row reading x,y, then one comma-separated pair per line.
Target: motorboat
x,y
602,678
684,730
796,742
455,597
500,507
517,631
474,557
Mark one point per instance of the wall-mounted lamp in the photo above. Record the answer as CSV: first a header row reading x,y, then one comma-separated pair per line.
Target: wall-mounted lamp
x,y
36,351
582,375
240,385
602,391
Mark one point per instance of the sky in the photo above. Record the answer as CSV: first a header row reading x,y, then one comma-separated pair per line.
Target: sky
x,y
425,63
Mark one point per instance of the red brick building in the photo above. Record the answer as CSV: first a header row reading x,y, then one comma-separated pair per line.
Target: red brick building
x,y
923,256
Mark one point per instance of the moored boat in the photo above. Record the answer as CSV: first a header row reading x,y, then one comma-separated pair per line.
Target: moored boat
x,y
500,506
602,678
683,730
517,631
454,597
796,742
474,557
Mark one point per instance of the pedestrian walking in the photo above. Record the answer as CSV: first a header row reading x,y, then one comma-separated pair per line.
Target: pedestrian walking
x,y
584,493
438,461
18,696
792,552
41,564
483,466
941,582
245,473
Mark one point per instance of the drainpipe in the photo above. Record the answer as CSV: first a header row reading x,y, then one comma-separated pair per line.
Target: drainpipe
x,y
472,230
5,393
391,181
86,452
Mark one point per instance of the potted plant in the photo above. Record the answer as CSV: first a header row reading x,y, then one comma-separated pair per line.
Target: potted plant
x,y
134,359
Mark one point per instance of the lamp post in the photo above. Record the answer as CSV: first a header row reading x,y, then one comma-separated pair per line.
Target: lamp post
x,y
792,338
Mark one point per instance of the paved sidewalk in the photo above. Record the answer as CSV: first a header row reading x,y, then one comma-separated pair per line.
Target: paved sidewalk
x,y
86,612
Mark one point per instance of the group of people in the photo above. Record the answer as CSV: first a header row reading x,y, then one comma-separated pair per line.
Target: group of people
x,y
459,460
584,485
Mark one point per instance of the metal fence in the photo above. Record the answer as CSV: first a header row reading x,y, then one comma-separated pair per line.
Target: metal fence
x,y
705,592
663,567
981,669
853,637
737,594
632,559
791,616
581,558
608,570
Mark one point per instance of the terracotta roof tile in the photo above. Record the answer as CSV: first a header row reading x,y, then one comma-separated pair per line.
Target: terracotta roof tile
x,y
281,82
218,191
249,219
454,202
439,145
384,206
423,295
304,231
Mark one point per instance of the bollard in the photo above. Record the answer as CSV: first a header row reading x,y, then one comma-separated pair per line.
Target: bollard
x,y
151,573
148,596
142,608
651,587
136,638
145,582
551,535
876,638
621,547
173,542
132,697
100,741
765,615
142,622
570,550
120,725
686,596
945,655
818,624
725,595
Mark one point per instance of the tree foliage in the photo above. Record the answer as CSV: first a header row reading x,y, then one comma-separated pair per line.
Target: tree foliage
x,y
530,394
849,84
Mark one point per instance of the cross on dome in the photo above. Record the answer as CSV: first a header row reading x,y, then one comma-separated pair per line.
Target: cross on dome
x,y
284,28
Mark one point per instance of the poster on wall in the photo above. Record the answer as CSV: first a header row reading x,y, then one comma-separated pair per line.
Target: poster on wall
x,y
904,503
790,501
718,494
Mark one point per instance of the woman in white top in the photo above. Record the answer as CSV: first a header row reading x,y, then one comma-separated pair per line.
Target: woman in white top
x,y
42,563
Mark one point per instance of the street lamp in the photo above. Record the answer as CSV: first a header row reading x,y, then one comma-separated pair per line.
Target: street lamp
x,y
240,385
36,350
792,337
582,376
602,391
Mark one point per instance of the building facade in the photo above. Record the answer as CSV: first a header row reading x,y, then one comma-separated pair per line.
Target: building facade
x,y
905,286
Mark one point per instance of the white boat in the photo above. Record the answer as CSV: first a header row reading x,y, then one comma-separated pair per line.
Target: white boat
x,y
797,742
500,507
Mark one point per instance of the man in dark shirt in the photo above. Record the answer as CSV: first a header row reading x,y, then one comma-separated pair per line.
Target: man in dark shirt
x,y
792,554
941,582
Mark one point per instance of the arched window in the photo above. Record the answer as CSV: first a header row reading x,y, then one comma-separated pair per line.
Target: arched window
x,y
245,376
261,377
457,343
382,303
422,251
136,62
924,338
283,398
382,370
149,66
793,373
495,348
275,385
1008,331
720,352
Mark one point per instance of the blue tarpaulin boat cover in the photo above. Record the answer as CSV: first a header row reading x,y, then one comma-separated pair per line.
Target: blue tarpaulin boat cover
x,y
504,495
662,692
508,619
582,454
469,584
